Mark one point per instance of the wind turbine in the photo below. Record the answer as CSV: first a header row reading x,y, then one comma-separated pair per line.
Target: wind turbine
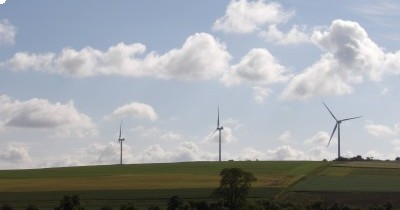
x,y
219,129
337,125
120,140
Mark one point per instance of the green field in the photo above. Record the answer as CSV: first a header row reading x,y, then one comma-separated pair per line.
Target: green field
x,y
145,184
354,183
354,176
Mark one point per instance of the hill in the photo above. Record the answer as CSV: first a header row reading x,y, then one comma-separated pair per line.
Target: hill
x,y
145,184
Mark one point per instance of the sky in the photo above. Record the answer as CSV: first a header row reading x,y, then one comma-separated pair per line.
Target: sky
x,y
71,71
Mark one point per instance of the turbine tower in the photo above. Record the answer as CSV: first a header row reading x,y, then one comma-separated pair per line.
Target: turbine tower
x,y
337,125
120,140
219,129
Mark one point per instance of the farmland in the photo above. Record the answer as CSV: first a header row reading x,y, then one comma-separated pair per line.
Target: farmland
x,y
145,184
142,183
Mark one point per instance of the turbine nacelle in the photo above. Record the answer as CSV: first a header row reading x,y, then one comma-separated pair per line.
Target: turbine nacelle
x,y
120,140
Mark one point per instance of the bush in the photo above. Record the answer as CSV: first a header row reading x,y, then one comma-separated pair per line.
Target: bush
x,y
6,207
31,207
128,206
72,202
154,208
106,208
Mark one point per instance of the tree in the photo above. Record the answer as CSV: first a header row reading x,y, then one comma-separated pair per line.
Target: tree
x,y
234,187
70,203
175,202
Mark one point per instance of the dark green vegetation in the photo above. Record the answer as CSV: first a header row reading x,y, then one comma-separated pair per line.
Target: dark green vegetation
x,y
355,183
234,188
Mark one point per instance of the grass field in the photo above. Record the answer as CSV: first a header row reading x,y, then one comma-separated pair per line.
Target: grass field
x,y
355,183
375,176
295,181
143,184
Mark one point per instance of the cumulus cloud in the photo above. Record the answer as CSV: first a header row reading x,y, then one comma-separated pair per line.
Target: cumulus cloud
x,y
286,152
227,134
136,110
242,16
185,151
258,66
350,55
246,16
7,32
261,93
378,130
295,35
200,57
171,136
285,137
2,1
41,114
321,138
15,153
283,152
109,153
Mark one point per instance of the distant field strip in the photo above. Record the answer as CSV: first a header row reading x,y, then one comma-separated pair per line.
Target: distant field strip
x,y
150,176
354,176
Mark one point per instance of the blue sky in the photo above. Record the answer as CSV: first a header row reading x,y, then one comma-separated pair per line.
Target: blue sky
x,y
71,71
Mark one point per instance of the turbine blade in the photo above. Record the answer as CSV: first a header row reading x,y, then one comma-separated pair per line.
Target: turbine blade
x,y
351,118
330,111
218,118
120,130
212,134
333,132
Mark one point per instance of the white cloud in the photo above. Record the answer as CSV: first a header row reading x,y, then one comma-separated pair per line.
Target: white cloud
x,y
379,130
286,152
25,60
285,137
243,16
283,152
246,16
147,132
94,154
110,153
391,64
2,1
41,114
375,155
320,153
7,32
350,55
171,136
321,138
227,136
185,151
384,91
295,35
136,110
200,57
396,145
260,93
15,153
258,66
